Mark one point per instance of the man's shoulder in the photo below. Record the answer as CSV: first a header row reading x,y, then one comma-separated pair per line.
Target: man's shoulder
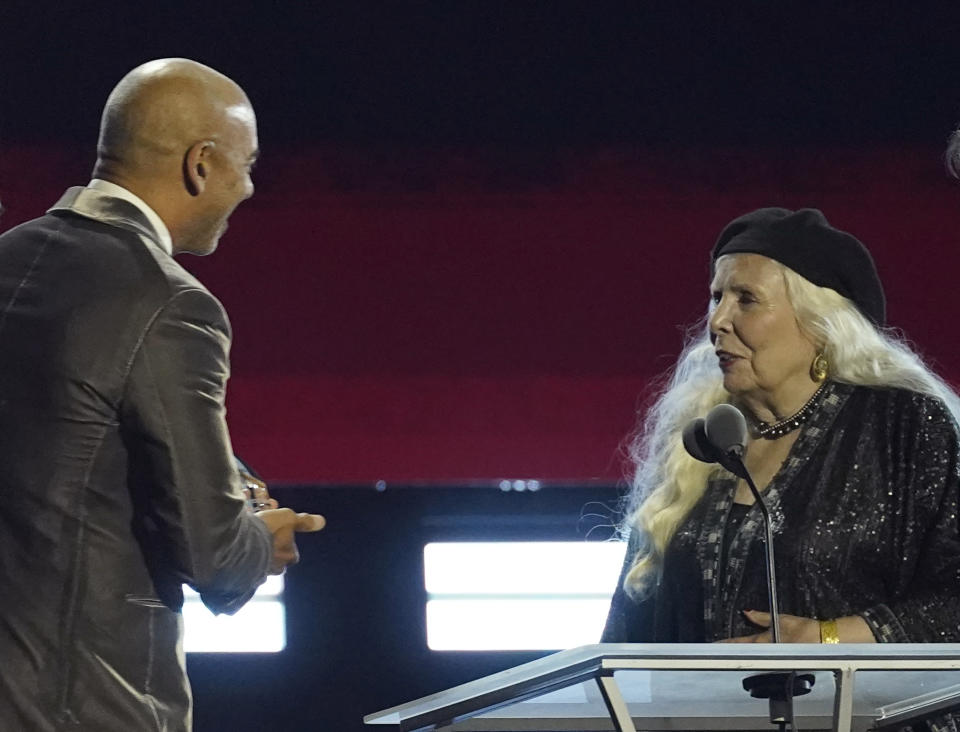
x,y
88,243
97,266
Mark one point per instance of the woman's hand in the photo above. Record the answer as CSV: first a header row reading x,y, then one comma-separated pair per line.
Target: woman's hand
x,y
793,629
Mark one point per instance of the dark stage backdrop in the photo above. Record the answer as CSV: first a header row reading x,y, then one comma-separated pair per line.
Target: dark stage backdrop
x,y
356,627
476,313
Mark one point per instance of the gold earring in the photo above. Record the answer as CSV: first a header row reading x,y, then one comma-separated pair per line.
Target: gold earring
x,y
819,368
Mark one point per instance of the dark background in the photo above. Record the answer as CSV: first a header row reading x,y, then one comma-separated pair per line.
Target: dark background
x,y
478,233
356,630
480,226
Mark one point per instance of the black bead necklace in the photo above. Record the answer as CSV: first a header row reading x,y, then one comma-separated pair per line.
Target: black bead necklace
x,y
789,424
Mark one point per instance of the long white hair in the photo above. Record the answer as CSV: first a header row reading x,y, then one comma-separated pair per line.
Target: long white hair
x,y
667,482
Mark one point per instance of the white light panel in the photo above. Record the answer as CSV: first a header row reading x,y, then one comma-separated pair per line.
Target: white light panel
x,y
258,627
518,595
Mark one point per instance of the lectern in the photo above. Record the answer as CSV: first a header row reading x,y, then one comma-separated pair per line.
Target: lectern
x,y
629,687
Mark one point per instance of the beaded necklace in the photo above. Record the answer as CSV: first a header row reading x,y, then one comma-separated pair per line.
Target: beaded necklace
x,y
789,424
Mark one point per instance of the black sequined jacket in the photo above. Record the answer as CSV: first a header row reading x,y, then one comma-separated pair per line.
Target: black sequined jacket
x,y
865,514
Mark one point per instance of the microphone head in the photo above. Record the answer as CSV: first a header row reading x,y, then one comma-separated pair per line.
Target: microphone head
x,y
696,443
726,429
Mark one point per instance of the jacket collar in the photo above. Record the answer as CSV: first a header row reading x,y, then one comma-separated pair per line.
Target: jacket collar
x,y
100,206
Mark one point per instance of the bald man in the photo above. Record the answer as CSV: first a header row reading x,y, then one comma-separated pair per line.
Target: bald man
x,y
117,478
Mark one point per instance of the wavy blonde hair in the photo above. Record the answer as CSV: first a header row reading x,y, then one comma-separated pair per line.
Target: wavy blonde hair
x,y
667,482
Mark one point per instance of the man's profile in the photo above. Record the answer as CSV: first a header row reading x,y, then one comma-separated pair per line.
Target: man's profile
x,y
117,477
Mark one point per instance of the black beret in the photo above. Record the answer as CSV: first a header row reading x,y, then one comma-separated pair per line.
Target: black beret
x,y
805,242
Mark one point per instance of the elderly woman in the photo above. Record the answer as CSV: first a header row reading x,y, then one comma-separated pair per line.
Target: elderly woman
x,y
853,442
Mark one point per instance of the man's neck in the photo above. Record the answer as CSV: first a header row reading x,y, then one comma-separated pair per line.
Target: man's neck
x,y
119,191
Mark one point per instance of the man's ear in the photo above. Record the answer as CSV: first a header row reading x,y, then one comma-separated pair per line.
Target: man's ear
x,y
196,166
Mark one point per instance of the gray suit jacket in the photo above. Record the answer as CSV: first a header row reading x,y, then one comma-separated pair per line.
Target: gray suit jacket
x,y
117,479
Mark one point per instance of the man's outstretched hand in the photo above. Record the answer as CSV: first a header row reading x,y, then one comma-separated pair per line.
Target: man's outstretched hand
x,y
284,523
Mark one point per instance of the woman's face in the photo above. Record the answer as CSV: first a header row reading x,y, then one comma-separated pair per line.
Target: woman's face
x,y
761,350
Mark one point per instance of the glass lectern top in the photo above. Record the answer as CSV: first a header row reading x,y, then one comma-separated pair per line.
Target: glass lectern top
x,y
683,686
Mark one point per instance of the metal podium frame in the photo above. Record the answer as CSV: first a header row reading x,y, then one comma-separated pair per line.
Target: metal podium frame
x,y
600,662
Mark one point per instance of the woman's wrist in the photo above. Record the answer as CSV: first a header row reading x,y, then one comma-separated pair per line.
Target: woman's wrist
x,y
829,632
848,629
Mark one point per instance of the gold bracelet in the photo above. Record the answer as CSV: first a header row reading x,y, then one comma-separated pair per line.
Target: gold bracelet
x,y
828,631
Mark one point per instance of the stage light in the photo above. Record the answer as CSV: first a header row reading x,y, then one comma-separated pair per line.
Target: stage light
x,y
518,595
258,627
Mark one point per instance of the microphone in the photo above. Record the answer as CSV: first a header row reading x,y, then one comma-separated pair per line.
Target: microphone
x,y
722,438
726,428
696,443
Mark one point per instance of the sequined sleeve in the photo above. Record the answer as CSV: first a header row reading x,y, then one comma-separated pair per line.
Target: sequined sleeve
x,y
928,610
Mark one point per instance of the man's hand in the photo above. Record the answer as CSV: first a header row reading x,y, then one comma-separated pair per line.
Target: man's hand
x,y
283,523
256,493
